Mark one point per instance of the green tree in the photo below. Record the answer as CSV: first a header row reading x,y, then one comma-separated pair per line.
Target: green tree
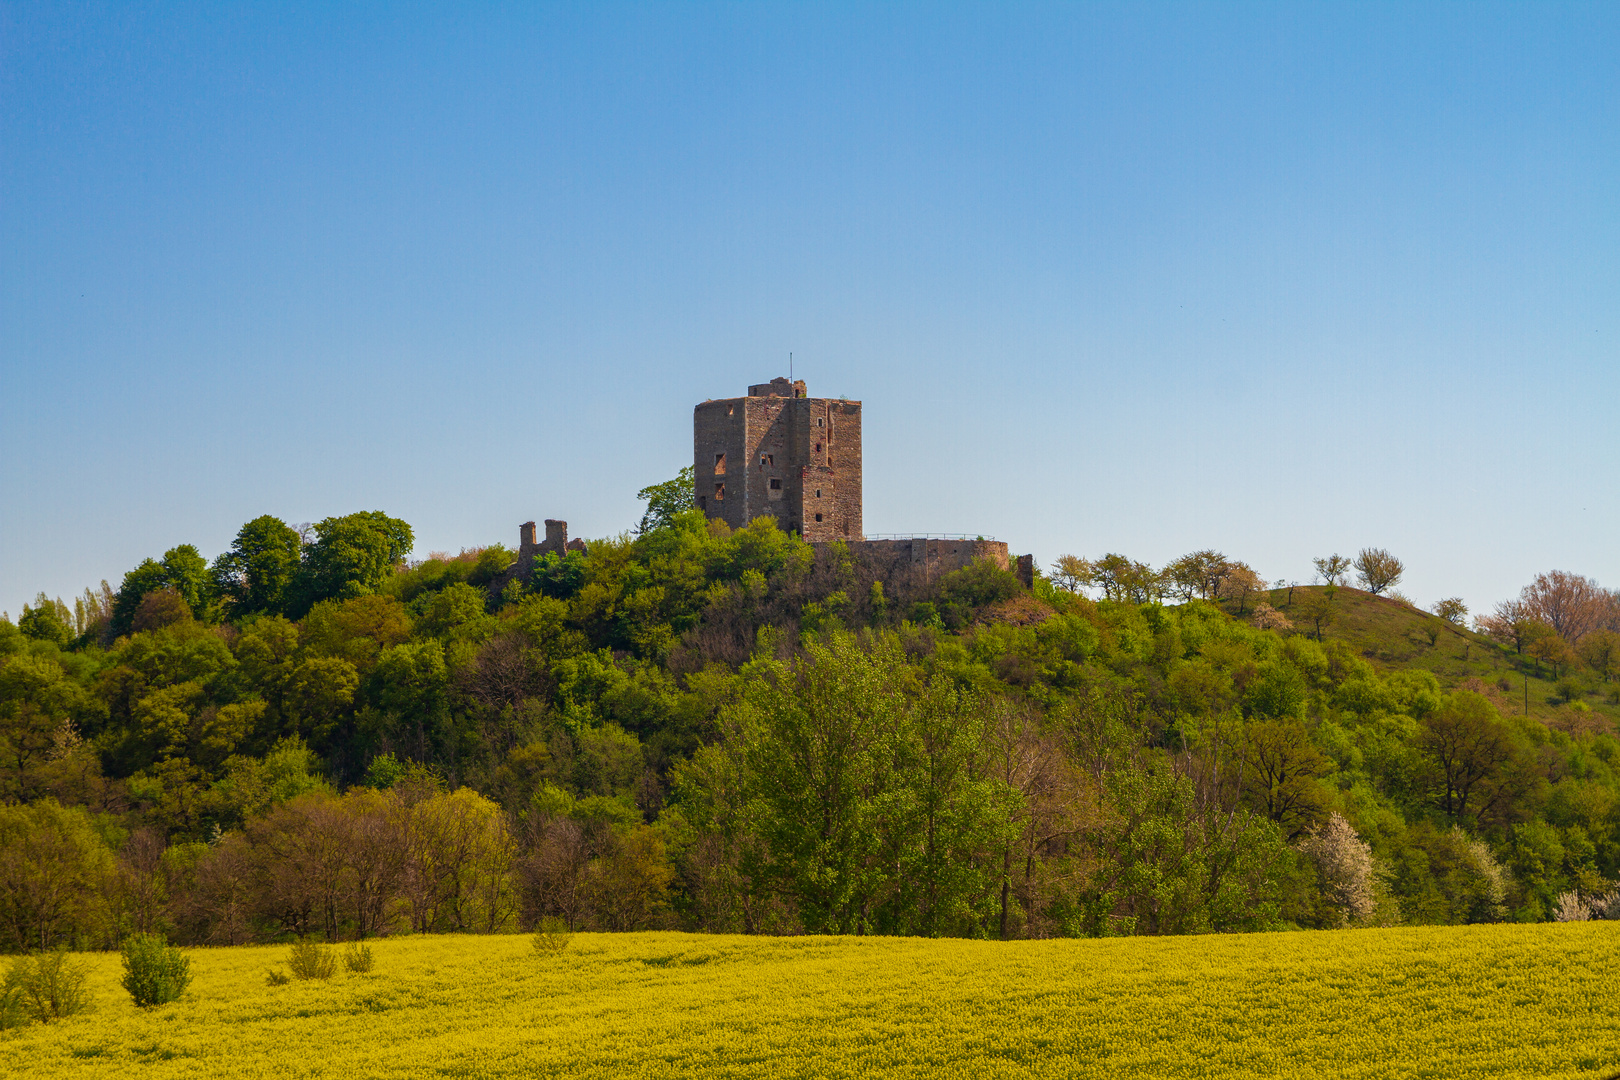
x,y
48,620
664,501
351,556
1471,755
1332,568
256,575
1321,608
865,792
53,869
39,704
1600,651
1551,649
148,577
1378,570
1126,581
1282,775
1452,609
1199,574
411,686
186,572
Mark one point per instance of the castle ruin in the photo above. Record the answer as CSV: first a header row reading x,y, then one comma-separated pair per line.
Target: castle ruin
x,y
780,453
555,543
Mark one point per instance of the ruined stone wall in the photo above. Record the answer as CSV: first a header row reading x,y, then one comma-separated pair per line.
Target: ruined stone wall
x,y
830,479
719,460
935,557
528,549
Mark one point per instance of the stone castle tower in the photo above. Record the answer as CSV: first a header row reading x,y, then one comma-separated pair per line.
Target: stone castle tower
x,y
780,453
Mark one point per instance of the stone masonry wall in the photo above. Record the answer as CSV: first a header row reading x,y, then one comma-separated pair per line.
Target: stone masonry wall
x,y
935,557
781,454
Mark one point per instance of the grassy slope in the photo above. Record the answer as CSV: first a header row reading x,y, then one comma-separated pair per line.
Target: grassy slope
x,y
1392,636
1477,1001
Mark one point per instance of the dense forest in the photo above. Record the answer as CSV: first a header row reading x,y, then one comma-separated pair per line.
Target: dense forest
x,y
691,727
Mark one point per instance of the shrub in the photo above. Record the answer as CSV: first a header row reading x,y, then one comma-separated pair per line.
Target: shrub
x,y
357,957
1569,907
49,985
551,936
277,977
13,1013
155,972
1344,865
311,960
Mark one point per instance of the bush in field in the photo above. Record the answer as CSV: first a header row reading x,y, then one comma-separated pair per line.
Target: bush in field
x,y
12,1011
357,957
551,937
1571,908
311,960
1344,865
155,973
48,986
277,977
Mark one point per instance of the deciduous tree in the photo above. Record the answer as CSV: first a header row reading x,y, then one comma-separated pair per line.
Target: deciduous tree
x,y
1378,570
1452,609
1600,651
256,574
1332,568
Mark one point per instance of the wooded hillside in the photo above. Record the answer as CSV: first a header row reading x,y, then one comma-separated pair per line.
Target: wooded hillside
x,y
734,731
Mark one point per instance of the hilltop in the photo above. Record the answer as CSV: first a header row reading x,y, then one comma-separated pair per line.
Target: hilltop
x,y
731,730
1393,635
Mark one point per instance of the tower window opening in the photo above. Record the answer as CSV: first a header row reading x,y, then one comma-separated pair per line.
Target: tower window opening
x,y
767,459
821,421
818,493
719,464
818,448
776,485
818,517
719,492
703,502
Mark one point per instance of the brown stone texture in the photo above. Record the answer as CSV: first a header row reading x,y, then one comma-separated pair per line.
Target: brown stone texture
x,y
779,453
556,541
932,558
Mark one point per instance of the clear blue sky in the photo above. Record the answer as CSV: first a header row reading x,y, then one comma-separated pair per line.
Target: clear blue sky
x,y
1276,279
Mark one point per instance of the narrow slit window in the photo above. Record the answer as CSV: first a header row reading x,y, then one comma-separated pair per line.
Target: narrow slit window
x,y
719,464
818,517
818,448
818,493
821,421
703,502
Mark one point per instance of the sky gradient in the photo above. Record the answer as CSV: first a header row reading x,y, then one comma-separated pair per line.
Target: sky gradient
x,y
1280,280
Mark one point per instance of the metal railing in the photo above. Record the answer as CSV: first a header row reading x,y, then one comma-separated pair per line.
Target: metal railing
x,y
926,536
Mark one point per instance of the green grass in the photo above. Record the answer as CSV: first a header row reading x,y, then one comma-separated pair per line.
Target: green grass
x,y
1479,1001
1394,636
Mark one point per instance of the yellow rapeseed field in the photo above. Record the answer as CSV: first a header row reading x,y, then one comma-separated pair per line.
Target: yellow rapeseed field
x,y
1479,1001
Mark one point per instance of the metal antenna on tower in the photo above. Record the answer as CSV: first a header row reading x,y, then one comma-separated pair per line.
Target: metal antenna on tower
x,y
790,367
